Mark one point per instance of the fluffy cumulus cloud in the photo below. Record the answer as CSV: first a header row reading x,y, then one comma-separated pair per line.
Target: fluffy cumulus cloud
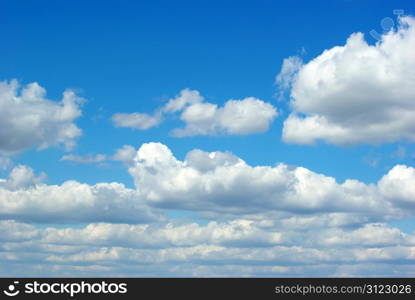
x,y
125,154
356,93
23,196
240,117
236,117
399,185
221,182
28,119
185,98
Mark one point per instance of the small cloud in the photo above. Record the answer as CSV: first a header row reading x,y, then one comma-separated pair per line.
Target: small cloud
x,y
137,121
88,159
5,162
237,117
126,154
142,121
399,153
99,115
288,74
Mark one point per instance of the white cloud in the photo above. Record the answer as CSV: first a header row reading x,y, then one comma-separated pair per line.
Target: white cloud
x,y
236,233
28,119
142,121
236,248
23,196
136,120
222,183
399,186
270,221
246,116
289,70
5,162
125,154
356,93
240,117
186,97
369,235
88,159
21,177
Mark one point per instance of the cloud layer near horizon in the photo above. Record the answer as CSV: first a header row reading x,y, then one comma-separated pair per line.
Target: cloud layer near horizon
x,y
288,221
239,247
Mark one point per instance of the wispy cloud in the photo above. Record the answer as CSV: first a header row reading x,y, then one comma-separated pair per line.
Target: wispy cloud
x,y
88,159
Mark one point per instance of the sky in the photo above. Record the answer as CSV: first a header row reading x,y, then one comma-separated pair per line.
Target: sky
x,y
207,138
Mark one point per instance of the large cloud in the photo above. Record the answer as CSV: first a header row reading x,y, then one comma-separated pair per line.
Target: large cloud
x,y
356,93
236,117
28,119
222,182
215,185
23,196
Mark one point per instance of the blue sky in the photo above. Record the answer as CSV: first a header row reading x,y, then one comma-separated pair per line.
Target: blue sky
x,y
345,113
